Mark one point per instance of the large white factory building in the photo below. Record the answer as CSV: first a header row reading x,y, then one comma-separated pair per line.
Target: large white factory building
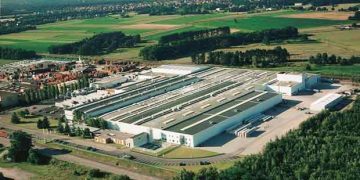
x,y
186,104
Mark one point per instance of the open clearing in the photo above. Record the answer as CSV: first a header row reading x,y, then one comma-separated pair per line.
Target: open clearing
x,y
322,15
329,40
151,28
184,152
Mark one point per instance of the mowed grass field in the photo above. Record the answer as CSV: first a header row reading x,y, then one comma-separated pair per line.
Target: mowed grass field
x,y
151,28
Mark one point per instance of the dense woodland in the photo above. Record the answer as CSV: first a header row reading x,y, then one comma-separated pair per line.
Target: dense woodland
x,y
327,146
183,48
325,59
255,57
16,54
194,35
98,44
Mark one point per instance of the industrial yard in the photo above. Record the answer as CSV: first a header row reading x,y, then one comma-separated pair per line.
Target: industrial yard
x,y
223,110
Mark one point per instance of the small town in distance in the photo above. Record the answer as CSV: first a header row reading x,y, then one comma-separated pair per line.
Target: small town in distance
x,y
194,90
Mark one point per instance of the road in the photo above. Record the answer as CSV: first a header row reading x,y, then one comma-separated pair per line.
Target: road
x,y
85,162
113,151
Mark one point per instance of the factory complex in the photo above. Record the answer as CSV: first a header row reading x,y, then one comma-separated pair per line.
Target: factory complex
x,y
187,105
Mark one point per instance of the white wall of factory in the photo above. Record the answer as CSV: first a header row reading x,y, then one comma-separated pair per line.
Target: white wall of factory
x,y
218,128
300,83
200,137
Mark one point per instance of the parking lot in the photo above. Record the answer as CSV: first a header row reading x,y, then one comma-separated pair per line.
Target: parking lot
x,y
287,116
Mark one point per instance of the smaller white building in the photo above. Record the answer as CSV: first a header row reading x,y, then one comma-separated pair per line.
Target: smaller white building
x,y
178,69
109,82
326,102
292,83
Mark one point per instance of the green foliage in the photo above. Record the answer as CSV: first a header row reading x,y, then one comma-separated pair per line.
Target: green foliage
x,y
181,48
36,158
119,177
324,58
15,119
20,145
185,175
16,54
98,44
97,122
96,173
86,133
326,146
255,57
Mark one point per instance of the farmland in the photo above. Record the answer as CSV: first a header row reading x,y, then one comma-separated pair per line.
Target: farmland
x,y
151,28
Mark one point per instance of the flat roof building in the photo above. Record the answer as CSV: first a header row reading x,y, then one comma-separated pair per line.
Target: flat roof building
x,y
186,105
326,102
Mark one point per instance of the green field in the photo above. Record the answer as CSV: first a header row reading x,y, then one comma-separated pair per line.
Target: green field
x,y
184,152
151,28
335,70
256,23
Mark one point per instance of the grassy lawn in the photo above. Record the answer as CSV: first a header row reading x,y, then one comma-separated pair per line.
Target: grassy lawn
x,y
344,43
329,40
30,122
189,19
220,166
123,163
335,70
184,152
255,23
55,170
6,61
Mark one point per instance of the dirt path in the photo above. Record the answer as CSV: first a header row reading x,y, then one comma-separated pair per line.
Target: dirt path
x,y
101,166
15,173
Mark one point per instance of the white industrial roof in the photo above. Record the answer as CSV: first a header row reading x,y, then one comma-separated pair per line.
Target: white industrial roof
x,y
178,69
325,100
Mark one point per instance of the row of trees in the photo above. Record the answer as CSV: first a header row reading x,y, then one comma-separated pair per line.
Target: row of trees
x,y
324,58
96,122
15,29
16,54
31,96
194,35
327,146
98,44
185,48
255,57
356,16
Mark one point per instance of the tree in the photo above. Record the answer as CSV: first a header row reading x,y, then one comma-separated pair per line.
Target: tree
x,y
34,157
39,124
185,175
87,133
67,129
308,67
45,123
120,177
60,127
20,145
15,119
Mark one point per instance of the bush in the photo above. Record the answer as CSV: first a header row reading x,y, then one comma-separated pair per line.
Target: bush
x,y
36,158
120,177
96,173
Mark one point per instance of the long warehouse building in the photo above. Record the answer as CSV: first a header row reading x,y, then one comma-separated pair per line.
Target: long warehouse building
x,y
186,106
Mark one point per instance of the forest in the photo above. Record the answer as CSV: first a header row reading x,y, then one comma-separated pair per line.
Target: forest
x,y
193,35
98,44
326,146
255,57
325,59
16,54
181,48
